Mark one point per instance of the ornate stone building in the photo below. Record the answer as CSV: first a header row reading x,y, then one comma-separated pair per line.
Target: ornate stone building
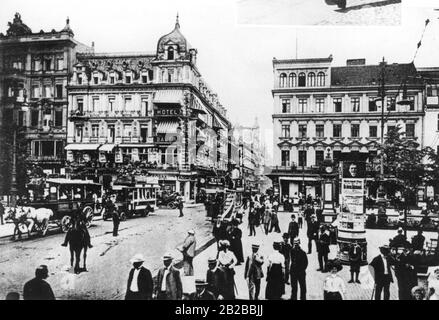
x,y
321,111
34,70
149,114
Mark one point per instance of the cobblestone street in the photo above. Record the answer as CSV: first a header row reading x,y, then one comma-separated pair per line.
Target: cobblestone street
x,y
317,12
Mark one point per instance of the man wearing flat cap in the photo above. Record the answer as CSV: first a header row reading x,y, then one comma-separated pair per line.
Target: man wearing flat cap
x,y
215,278
140,284
201,292
383,274
38,288
168,284
253,272
299,263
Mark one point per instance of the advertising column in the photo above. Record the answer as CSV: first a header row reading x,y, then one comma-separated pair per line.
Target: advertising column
x,y
351,227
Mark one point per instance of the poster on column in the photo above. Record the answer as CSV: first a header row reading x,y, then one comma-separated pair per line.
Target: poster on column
x,y
353,195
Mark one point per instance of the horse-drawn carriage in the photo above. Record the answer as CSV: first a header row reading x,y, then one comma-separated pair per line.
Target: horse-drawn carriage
x,y
56,202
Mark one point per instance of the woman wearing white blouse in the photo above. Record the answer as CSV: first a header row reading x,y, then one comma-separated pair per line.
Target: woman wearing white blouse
x,y
227,261
334,287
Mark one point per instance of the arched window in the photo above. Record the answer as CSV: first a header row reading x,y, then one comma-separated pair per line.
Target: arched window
x,y
302,79
283,80
311,79
321,79
293,80
170,53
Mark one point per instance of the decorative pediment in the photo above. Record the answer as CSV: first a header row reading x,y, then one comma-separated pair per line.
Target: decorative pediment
x,y
286,144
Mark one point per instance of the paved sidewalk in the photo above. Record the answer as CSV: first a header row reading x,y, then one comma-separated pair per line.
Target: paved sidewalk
x,y
314,278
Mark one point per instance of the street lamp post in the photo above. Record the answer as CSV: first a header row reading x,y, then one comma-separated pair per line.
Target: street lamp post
x,y
382,91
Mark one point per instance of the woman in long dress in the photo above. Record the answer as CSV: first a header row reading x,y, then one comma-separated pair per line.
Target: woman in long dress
x,y
227,262
234,236
275,288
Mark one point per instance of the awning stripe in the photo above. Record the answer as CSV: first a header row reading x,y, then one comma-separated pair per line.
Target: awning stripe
x,y
168,96
107,147
167,127
82,146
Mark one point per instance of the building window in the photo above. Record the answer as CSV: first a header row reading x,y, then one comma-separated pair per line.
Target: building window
x,y
337,104
355,104
127,130
128,103
319,157
36,148
438,122
320,131
34,116
145,105
80,79
47,91
59,64
311,79
336,155
144,133
144,78
37,65
59,148
47,148
321,79
95,104
391,104
372,104
286,106
302,79
336,130
320,104
285,131
128,79
355,130
282,80
412,103
285,158
59,91
48,64
170,53
96,80
302,105
390,128
373,131
293,80
302,131
111,103
80,103
410,130
112,80
78,130
302,158
95,130
36,92
58,118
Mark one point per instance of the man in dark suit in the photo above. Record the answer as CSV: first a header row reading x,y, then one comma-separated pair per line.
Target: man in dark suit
x,y
38,288
285,249
293,229
312,232
140,283
253,272
201,292
383,274
299,263
323,248
400,240
215,279
168,284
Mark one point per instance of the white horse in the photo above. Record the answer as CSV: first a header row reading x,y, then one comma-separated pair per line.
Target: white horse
x,y
32,217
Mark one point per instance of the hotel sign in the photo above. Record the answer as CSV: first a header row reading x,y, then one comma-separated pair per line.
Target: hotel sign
x,y
171,112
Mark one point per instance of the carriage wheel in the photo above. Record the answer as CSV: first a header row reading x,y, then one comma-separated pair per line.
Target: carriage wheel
x,y
123,216
171,205
23,227
66,223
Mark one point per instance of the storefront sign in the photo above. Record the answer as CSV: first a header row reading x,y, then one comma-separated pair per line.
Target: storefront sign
x,y
118,156
152,180
215,181
70,156
135,154
168,112
165,138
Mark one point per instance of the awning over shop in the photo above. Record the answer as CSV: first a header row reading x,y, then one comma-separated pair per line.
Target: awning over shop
x,y
168,96
107,147
82,146
197,105
300,178
134,145
167,127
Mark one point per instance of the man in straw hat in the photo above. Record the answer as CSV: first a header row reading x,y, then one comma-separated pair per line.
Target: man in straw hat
x,y
140,283
253,272
383,274
188,251
168,284
299,263
201,292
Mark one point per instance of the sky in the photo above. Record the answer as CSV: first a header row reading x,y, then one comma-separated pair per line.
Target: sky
x,y
235,60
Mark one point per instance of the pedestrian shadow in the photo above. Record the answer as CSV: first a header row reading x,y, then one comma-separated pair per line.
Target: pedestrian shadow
x,y
369,5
